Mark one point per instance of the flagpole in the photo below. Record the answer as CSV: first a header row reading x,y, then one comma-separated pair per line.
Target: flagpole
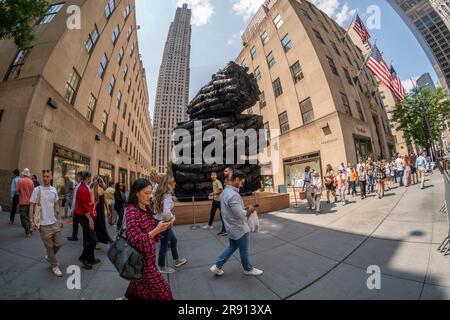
x,y
366,60
350,25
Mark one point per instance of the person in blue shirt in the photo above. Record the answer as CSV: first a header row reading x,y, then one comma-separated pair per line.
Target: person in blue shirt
x,y
421,165
14,196
235,217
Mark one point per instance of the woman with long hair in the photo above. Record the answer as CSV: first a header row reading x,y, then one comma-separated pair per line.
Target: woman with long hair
x,y
143,233
381,176
330,183
407,174
164,204
98,199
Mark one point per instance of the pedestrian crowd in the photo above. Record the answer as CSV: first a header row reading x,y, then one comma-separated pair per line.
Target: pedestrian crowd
x,y
145,212
367,176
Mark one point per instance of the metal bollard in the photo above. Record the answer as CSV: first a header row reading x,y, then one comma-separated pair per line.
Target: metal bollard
x,y
194,226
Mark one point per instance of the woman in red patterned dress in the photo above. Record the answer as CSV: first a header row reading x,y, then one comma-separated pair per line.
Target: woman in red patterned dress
x,y
143,235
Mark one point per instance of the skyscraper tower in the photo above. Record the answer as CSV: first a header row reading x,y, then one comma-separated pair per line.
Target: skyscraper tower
x,y
172,93
429,20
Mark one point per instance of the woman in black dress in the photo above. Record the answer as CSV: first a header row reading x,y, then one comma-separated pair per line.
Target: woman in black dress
x,y
98,194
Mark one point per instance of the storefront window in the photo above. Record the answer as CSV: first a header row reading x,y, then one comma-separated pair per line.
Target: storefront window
x,y
363,148
68,163
123,176
106,171
132,177
294,169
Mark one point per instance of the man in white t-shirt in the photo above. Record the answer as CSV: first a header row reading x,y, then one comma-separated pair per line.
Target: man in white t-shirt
x,y
50,221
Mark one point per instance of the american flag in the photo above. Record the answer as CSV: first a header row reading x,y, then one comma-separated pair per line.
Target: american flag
x,y
361,29
396,85
379,67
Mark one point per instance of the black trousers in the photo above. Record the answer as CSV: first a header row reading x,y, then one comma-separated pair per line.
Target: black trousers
x,y
120,220
363,184
76,222
15,203
89,240
214,206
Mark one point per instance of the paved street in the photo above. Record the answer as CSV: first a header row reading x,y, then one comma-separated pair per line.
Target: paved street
x,y
303,256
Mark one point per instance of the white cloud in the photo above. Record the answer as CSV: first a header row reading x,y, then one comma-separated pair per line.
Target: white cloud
x,y
247,8
345,14
408,85
202,11
330,7
333,8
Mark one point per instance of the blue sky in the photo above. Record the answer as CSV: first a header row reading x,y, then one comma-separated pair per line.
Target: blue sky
x,y
217,25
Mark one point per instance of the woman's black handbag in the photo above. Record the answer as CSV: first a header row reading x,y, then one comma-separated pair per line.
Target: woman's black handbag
x,y
127,260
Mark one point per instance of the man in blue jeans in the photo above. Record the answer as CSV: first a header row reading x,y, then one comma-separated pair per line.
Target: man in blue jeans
x,y
235,219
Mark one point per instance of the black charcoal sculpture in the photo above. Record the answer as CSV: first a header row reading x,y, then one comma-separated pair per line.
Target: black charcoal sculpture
x,y
219,105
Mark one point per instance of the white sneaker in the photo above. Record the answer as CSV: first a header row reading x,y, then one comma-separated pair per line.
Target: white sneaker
x,y
208,227
121,299
253,272
166,270
47,258
217,271
180,262
57,272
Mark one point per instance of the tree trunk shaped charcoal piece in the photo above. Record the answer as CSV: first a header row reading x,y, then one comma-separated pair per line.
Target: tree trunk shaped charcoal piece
x,y
219,105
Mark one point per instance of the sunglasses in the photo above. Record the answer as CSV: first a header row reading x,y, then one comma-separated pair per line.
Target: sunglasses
x,y
46,171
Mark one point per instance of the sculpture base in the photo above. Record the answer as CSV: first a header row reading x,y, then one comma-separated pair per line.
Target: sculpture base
x,y
268,202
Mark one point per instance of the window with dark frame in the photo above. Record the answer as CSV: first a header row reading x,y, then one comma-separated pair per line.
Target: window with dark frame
x,y
110,7
306,14
51,13
92,40
124,114
253,53
126,12
16,66
287,43
332,66
104,122
265,38
257,74
262,100
103,65
335,48
121,54
296,72
115,34
277,88
112,84
113,132
119,99
72,85
318,36
346,104
270,60
284,122
360,112
278,21
91,108
307,111
347,75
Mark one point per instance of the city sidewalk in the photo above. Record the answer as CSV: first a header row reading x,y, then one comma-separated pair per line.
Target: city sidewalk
x,y
303,256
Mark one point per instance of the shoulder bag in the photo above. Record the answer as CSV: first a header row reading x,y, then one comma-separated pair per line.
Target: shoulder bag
x,y
126,259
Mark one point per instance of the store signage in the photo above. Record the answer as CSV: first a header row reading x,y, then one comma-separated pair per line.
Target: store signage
x,y
312,156
330,141
71,155
105,165
42,126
